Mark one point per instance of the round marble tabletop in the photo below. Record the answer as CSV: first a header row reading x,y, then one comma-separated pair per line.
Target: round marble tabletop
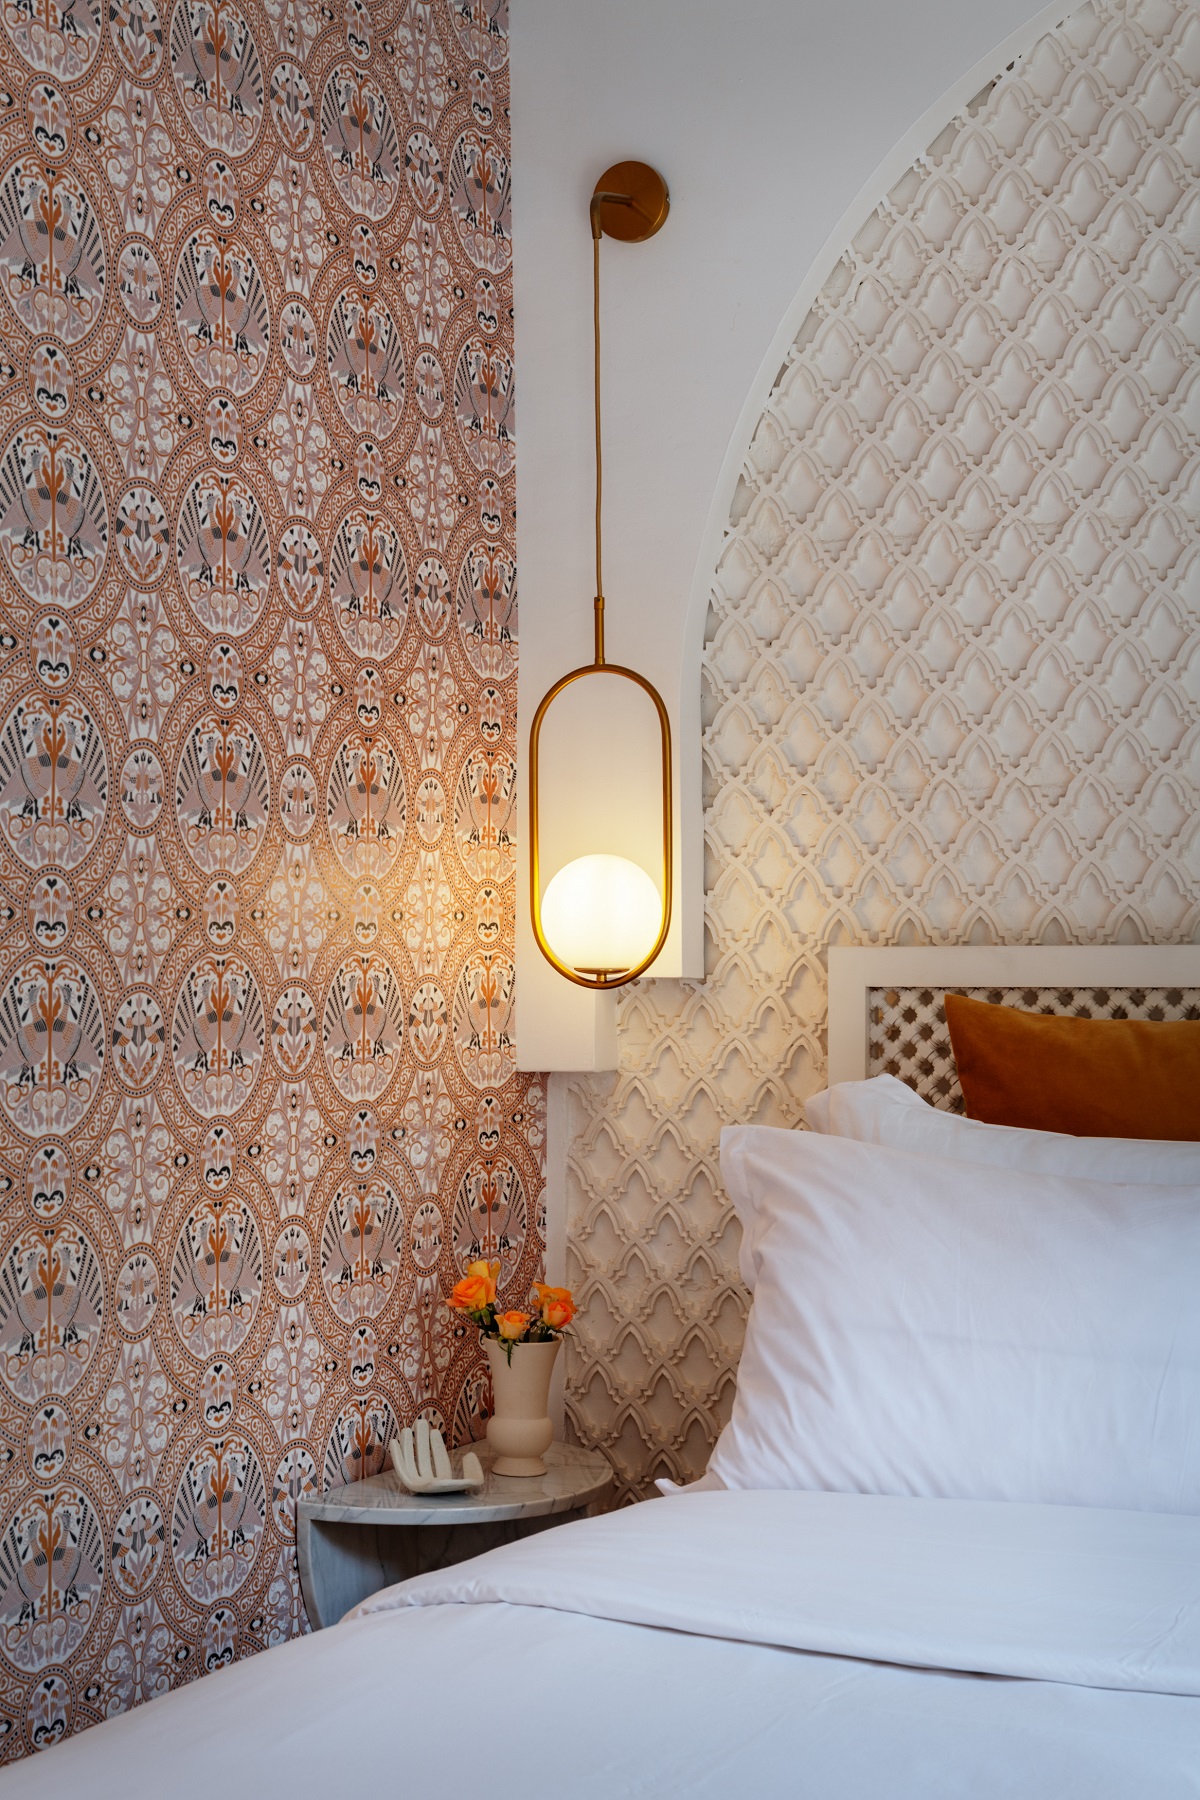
x,y
573,1479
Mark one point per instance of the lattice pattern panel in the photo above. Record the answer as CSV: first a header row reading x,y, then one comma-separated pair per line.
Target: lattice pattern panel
x,y
258,1086
907,1034
952,675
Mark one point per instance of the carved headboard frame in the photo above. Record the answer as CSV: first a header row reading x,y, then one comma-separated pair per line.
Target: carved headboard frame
x,y
1053,973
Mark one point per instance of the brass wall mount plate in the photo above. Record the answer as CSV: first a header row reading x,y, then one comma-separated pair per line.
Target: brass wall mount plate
x,y
650,202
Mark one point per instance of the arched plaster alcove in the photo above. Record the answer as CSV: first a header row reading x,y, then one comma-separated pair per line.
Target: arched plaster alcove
x,y
952,661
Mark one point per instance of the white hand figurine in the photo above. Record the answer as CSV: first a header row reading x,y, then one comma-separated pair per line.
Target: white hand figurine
x,y
428,1471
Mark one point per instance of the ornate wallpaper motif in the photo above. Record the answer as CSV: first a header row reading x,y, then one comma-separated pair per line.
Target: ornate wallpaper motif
x,y
952,676
258,1096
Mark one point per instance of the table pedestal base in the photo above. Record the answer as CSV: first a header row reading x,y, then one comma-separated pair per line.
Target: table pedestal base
x,y
341,1564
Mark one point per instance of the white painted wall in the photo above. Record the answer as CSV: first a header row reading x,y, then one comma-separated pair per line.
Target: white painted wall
x,y
769,119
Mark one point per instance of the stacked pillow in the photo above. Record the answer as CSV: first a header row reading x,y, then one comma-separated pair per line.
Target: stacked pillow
x,y
950,1309
885,1111
1137,1078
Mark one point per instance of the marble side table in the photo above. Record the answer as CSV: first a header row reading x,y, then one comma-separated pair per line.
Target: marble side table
x,y
357,1539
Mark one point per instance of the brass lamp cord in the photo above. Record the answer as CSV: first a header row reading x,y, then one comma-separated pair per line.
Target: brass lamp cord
x,y
599,453
599,200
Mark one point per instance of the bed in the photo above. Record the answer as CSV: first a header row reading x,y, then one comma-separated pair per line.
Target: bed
x,y
949,1543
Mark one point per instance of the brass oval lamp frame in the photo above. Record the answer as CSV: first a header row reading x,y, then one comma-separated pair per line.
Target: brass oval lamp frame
x,y
630,203
599,978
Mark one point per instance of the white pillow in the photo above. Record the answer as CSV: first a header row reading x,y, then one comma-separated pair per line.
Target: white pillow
x,y
886,1111
936,1328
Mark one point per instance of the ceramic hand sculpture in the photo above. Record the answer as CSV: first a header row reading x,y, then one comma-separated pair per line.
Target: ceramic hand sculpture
x,y
424,1468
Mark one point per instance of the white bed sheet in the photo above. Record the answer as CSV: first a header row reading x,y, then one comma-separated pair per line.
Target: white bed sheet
x,y
1048,1593
437,1688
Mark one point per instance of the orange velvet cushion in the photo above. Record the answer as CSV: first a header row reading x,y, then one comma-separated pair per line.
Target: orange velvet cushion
x,y
1091,1077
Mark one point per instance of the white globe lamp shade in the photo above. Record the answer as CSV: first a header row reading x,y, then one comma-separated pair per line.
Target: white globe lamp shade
x,y
601,914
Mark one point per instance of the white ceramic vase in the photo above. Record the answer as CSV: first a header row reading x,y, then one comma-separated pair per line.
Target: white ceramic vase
x,y
519,1430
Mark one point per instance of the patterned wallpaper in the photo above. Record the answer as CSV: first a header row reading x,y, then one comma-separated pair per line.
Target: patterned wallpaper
x,y
952,674
258,1097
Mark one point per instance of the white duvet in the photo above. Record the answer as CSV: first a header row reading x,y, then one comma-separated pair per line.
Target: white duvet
x,y
832,1646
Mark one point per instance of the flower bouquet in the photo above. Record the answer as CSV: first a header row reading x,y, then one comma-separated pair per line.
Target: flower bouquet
x,y
521,1349
475,1297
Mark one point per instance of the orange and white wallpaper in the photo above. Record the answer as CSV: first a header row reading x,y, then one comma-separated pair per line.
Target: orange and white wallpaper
x,y
258,1095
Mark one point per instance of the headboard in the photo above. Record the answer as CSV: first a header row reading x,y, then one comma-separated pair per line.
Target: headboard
x,y
886,1006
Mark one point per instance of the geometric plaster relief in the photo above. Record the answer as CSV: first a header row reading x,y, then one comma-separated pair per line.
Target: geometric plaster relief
x,y
951,683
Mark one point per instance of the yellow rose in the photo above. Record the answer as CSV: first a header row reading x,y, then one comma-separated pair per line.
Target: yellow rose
x,y
512,1325
557,1304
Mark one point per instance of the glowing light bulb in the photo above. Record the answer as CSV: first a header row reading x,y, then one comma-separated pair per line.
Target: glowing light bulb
x,y
601,914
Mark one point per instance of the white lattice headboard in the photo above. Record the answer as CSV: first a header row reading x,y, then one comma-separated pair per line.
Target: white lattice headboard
x,y
886,1012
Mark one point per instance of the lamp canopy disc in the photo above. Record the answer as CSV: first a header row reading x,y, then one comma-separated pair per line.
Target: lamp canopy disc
x,y
649,202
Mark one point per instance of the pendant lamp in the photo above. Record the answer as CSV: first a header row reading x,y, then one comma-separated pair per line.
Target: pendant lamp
x,y
602,920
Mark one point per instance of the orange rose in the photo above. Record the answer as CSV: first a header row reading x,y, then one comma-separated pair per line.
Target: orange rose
x,y
557,1304
477,1289
469,1294
512,1325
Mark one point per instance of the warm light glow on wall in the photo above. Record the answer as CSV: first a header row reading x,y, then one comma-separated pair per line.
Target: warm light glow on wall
x,y
601,914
